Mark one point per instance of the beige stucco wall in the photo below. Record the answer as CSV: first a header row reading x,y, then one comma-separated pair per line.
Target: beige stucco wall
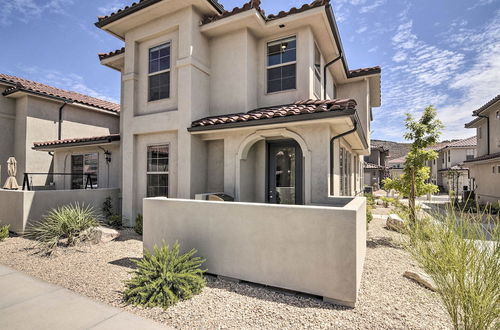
x,y
21,208
487,183
319,250
7,132
482,142
359,91
216,75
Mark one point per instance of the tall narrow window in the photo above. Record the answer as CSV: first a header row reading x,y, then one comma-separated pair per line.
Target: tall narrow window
x,y
479,135
281,65
341,171
84,171
159,72
317,72
157,171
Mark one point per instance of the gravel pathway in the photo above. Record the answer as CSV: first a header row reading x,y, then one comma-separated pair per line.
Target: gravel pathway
x,y
387,300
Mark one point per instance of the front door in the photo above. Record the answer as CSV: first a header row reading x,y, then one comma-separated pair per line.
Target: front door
x,y
284,168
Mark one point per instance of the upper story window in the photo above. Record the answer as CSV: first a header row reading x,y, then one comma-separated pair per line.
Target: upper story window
x,y
159,72
479,135
317,72
469,154
497,115
449,156
281,65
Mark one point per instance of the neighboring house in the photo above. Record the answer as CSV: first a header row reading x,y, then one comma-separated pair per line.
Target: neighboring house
x,y
376,169
31,112
396,167
436,164
452,174
485,167
261,107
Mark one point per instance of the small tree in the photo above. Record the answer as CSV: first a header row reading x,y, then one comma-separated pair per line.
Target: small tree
x,y
414,181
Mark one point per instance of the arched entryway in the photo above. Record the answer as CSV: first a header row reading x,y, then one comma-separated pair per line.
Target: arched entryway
x,y
273,166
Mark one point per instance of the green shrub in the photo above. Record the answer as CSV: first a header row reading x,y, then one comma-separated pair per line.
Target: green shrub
x,y
452,248
165,277
107,208
4,232
369,215
115,221
67,225
138,224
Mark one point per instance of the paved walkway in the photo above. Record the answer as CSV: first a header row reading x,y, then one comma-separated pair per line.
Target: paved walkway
x,y
30,303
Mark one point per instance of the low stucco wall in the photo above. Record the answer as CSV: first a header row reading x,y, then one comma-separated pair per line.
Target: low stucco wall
x,y
20,208
318,250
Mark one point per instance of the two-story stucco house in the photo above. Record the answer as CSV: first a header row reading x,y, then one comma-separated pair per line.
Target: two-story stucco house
x,y
375,167
485,167
452,172
31,112
261,107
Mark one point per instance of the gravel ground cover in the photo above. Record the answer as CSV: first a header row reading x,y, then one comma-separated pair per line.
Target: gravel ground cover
x,y
387,300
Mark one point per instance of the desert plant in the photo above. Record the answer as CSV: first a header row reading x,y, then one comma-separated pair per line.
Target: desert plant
x,y
107,208
4,232
68,224
452,248
115,221
423,133
165,277
138,224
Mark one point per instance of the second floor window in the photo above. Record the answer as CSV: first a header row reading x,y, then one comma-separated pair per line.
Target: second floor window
x,y
317,72
159,72
469,154
281,65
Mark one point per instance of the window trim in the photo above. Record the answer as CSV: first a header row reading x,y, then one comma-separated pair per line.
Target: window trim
x,y
169,70
157,172
317,72
267,67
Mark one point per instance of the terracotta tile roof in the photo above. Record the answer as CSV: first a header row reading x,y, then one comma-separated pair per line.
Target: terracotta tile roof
x,y
255,4
438,146
469,142
484,157
379,147
364,71
103,56
136,6
79,141
397,160
487,105
20,84
295,109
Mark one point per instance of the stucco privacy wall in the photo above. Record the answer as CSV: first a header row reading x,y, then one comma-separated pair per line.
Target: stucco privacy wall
x,y
20,208
486,181
318,250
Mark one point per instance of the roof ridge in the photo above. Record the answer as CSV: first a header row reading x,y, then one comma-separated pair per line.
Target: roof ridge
x,y
38,87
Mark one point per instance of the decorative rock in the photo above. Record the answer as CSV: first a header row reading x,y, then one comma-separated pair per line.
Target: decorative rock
x,y
379,202
104,235
395,223
422,279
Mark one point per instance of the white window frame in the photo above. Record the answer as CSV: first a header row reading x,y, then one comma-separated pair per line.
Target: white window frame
x,y
268,67
150,74
167,173
317,72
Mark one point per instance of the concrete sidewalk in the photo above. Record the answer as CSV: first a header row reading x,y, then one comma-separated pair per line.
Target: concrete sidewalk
x,y
30,303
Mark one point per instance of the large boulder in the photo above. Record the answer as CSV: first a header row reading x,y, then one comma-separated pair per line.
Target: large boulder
x,y
104,234
421,278
395,223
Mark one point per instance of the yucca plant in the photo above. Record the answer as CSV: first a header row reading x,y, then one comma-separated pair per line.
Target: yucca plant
x,y
71,223
462,256
4,232
165,277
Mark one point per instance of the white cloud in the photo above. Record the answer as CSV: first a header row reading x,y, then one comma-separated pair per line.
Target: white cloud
x,y
361,29
400,56
377,3
68,81
481,3
25,10
113,6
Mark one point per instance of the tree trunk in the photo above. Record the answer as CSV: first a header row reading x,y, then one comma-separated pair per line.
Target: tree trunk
x,y
411,198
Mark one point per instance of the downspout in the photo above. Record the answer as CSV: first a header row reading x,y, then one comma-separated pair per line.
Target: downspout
x,y
59,130
488,130
332,140
324,74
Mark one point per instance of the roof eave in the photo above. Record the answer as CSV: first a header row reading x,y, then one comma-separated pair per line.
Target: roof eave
x,y
110,140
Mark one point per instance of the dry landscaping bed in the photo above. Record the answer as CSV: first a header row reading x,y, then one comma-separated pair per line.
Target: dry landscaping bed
x,y
387,300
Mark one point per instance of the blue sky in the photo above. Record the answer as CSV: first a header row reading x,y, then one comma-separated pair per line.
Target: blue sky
x,y
445,53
